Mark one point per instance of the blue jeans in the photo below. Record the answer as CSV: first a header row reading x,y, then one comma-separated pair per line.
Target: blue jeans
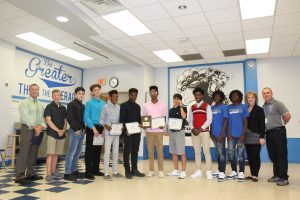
x,y
220,153
236,145
74,151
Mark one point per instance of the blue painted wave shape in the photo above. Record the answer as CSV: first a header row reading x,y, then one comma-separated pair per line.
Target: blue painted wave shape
x,y
52,84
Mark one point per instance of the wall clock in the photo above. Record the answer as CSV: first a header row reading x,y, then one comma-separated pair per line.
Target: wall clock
x,y
114,82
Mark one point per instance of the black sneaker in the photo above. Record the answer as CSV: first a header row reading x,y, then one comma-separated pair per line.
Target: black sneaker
x,y
90,176
137,173
282,182
23,181
78,174
128,175
34,178
98,174
273,179
70,177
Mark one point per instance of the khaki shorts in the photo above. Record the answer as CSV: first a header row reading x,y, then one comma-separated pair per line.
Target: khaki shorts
x,y
55,146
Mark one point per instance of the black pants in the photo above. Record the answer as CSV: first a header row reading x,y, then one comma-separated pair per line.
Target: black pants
x,y
277,149
92,153
131,148
253,154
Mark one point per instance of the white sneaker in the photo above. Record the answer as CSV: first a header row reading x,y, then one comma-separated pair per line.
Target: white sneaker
x,y
197,174
175,172
221,177
182,175
241,177
209,175
232,175
150,174
216,174
161,174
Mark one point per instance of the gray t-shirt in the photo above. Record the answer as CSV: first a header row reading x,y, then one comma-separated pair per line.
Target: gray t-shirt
x,y
273,113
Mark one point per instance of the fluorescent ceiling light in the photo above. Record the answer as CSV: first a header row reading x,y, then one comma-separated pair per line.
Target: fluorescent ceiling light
x,y
40,41
127,22
168,55
62,19
73,54
257,8
258,46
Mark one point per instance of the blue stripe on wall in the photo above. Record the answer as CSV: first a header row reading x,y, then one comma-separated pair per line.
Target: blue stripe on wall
x,y
250,75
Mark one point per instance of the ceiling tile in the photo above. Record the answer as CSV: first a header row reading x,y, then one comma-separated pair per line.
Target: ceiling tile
x,y
136,49
230,37
291,39
136,3
124,42
146,38
281,50
215,60
103,24
209,48
213,54
156,46
186,50
144,55
231,27
192,20
287,19
150,12
199,31
236,58
171,35
225,15
8,12
286,30
195,62
248,35
192,6
208,5
232,45
261,55
112,34
287,6
179,44
204,40
161,25
258,23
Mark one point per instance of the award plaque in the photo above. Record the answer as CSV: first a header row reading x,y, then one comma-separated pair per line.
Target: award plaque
x,y
146,121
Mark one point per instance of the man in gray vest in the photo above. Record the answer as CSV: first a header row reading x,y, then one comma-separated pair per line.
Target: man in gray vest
x,y
277,116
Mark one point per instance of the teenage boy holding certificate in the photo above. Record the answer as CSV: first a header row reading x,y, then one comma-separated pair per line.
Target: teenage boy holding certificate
x,y
177,135
130,115
109,119
157,110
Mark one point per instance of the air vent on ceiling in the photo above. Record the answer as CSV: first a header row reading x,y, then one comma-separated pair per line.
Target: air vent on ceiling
x,y
187,57
234,52
101,7
93,50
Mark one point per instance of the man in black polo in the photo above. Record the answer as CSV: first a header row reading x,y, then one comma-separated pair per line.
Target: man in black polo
x,y
56,118
130,111
277,116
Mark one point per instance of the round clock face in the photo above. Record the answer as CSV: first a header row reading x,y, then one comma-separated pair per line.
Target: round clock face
x,y
113,82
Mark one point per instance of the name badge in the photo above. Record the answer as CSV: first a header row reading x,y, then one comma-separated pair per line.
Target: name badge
x,y
266,120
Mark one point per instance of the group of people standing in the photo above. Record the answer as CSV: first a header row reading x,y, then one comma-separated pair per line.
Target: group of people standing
x,y
244,126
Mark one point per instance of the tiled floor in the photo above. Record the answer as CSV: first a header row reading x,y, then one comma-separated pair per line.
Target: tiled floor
x,y
168,188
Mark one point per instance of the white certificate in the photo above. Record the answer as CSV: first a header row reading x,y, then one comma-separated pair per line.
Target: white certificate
x,y
133,128
116,129
175,124
98,140
158,122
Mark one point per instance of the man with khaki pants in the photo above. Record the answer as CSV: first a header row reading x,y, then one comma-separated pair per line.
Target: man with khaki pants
x,y
155,109
200,118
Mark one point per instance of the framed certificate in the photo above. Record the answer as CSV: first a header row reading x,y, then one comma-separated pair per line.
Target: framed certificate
x,y
116,129
175,124
98,140
158,122
133,128
146,121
